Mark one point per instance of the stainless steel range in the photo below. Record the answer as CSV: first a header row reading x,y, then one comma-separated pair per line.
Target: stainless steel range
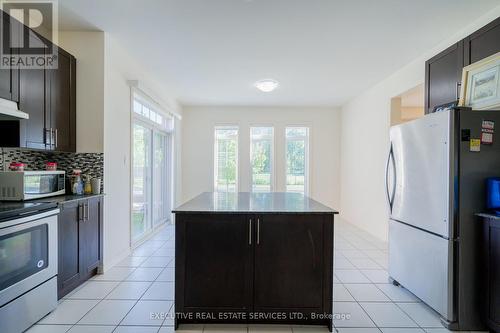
x,y
28,265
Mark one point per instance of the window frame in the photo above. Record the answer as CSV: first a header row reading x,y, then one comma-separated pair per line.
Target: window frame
x,y
215,156
307,139
273,158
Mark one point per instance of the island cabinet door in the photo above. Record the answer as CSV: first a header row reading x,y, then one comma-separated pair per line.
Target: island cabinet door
x,y
214,270
289,266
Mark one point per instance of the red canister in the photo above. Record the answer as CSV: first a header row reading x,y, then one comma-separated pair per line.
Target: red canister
x,y
16,166
51,166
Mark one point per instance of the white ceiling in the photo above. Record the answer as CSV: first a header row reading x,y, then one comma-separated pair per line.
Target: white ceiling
x,y
323,52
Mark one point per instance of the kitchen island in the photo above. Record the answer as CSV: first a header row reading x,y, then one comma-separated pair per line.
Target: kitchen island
x,y
254,258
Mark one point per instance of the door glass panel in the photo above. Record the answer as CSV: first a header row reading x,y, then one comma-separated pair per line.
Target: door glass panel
x,y
296,159
141,212
226,159
261,158
23,254
160,175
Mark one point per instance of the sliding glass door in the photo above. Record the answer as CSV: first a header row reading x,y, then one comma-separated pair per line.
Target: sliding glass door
x,y
141,187
151,171
161,176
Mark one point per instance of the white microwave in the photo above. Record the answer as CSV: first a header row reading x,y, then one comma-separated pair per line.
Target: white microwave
x,y
28,185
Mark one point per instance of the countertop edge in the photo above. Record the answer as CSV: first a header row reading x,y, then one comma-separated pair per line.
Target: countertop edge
x,y
70,198
488,216
254,212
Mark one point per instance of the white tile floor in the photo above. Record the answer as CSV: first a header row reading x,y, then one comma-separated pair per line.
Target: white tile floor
x,y
123,299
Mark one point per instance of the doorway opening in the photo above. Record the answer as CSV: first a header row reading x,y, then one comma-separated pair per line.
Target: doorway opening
x,y
408,106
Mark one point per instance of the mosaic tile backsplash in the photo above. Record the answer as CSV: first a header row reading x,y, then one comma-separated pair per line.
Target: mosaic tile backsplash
x,y
90,163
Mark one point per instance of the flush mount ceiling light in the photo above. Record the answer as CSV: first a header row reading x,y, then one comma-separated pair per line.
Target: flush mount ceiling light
x,y
266,85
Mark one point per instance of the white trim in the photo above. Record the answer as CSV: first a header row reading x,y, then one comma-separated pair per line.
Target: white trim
x,y
143,101
136,86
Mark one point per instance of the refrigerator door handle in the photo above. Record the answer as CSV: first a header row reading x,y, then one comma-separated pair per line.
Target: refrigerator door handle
x,y
395,178
390,194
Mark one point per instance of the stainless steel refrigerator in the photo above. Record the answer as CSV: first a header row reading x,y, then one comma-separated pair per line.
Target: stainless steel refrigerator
x,y
435,184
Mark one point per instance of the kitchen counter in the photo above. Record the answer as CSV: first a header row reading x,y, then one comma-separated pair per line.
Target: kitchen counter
x,y
488,216
12,209
261,258
245,202
67,198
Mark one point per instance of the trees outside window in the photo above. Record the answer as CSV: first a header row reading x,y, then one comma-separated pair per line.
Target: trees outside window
x,y
261,158
297,159
226,159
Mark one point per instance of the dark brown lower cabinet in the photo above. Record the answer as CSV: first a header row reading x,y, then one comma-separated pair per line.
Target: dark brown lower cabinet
x,y
289,264
218,261
80,243
491,278
258,268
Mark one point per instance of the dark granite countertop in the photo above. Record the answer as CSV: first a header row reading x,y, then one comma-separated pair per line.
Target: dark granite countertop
x,y
13,209
488,216
245,202
67,198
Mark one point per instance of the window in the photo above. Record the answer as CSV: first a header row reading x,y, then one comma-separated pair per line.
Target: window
x,y
261,158
147,112
226,159
151,168
297,159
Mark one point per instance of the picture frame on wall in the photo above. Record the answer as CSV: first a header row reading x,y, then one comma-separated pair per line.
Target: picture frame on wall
x,y
481,84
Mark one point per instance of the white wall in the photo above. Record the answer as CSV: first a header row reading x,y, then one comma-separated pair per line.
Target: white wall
x,y
88,49
103,124
365,139
119,69
198,140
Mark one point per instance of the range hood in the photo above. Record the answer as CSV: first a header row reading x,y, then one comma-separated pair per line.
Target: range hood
x,y
9,111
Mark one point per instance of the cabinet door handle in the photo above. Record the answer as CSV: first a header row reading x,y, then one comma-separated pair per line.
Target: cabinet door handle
x,y
258,231
250,232
47,136
80,213
84,212
88,211
55,137
457,91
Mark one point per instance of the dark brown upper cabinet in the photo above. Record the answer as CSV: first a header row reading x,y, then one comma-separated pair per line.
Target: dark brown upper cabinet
x,y
443,72
9,78
443,76
48,96
61,99
33,131
482,43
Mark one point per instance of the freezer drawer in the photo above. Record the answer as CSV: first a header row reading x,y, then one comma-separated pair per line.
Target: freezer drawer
x,y
422,263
